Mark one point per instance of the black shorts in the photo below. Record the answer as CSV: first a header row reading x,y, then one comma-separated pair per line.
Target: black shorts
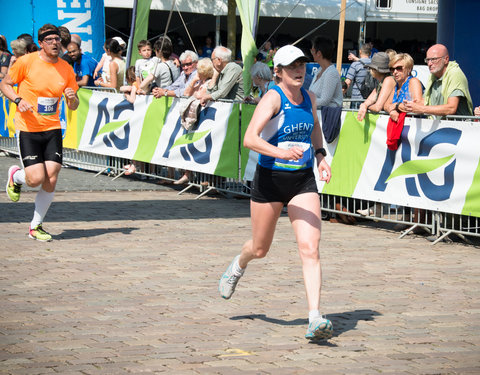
x,y
281,186
38,147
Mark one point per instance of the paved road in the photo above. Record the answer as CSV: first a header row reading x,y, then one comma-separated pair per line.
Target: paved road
x,y
129,286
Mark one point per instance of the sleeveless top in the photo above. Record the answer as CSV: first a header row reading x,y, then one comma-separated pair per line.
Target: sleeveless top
x,y
403,94
120,72
291,126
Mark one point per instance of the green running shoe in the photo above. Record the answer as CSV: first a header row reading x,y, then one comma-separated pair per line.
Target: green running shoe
x,y
13,190
39,234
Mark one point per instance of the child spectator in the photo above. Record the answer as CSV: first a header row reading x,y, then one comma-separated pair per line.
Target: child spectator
x,y
145,65
130,90
116,67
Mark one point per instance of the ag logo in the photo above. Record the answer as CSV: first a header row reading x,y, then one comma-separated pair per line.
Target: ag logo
x,y
417,170
187,139
110,138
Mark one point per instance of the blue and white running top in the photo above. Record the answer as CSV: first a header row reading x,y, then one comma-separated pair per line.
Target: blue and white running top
x,y
291,126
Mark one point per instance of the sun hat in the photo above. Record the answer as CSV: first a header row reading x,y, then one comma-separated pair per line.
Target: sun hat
x,y
287,55
120,41
380,62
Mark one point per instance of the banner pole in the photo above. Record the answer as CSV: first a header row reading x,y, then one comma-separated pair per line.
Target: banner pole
x,y
341,31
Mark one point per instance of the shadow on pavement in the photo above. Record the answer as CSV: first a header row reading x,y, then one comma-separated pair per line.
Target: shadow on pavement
x,y
295,322
82,233
342,322
128,210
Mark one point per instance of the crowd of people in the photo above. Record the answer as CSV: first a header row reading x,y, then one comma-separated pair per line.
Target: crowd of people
x,y
284,130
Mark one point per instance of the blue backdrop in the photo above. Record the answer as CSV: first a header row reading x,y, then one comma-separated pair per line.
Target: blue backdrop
x,y
85,18
458,30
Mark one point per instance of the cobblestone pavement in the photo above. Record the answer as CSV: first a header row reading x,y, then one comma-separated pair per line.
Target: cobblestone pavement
x,y
129,285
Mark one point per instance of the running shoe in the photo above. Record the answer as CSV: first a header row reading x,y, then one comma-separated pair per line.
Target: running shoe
x,y
229,280
319,329
39,234
13,190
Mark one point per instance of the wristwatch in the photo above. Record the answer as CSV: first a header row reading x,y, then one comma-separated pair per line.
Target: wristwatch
x,y
17,100
165,93
321,150
397,108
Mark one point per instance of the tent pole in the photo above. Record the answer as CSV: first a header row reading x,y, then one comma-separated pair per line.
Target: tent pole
x,y
341,32
217,31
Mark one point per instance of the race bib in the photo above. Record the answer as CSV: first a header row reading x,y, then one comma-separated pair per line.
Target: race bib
x,y
294,164
47,106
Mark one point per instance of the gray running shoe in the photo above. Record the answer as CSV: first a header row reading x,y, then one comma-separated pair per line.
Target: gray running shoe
x,y
229,280
319,329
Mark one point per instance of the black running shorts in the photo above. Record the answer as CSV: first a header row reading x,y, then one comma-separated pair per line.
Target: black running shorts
x,y
38,147
281,186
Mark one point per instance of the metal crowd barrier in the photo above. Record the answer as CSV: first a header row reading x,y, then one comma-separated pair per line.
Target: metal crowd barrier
x,y
438,225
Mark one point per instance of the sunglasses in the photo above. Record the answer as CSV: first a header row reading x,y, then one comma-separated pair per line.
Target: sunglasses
x,y
186,65
396,68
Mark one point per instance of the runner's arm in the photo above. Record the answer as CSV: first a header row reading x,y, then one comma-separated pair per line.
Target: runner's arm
x,y
6,86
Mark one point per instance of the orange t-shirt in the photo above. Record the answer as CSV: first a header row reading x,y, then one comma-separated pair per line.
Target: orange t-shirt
x,y
42,85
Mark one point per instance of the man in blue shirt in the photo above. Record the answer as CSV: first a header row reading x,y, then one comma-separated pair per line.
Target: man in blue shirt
x,y
83,65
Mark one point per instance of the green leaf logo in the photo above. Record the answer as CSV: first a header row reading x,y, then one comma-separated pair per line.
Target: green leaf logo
x,y
111,126
190,138
414,167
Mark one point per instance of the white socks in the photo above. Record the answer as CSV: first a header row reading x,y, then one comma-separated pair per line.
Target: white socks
x,y
313,314
237,270
19,177
42,204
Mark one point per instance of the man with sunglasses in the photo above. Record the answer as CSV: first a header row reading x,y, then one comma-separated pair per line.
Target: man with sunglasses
x,y
447,88
42,78
188,62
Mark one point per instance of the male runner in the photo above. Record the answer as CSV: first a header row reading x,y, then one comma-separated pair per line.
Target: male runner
x,y
42,78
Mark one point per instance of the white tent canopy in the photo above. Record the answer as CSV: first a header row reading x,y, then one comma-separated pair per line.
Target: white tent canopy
x,y
357,10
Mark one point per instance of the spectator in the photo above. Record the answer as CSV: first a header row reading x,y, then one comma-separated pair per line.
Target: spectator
x,y
188,62
145,65
165,72
130,90
267,52
447,89
380,70
262,79
27,37
116,67
103,66
19,48
356,75
327,85
32,47
227,80
198,85
5,57
76,38
66,38
83,65
121,42
207,49
407,87
476,112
